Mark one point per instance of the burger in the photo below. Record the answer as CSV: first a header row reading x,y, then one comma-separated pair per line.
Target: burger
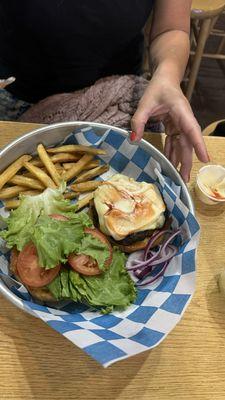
x,y
128,212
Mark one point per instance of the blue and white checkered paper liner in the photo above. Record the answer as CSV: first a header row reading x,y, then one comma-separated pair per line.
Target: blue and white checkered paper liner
x,y
158,307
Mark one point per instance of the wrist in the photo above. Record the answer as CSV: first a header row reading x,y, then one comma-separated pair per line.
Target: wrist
x,y
168,71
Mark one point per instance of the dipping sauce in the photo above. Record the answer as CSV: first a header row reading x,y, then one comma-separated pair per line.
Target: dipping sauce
x,y
210,184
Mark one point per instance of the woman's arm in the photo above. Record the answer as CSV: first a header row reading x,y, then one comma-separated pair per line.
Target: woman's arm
x,y
163,98
169,37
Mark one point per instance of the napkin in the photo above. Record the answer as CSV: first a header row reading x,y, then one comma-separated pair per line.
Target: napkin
x,y
159,306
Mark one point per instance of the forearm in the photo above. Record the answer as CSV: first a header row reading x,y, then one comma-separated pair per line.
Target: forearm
x,y
169,54
163,99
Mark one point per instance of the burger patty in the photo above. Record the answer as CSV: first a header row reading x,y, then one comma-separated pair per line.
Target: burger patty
x,y
135,237
128,240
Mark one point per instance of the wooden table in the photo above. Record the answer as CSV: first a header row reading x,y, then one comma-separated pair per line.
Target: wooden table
x,y
38,363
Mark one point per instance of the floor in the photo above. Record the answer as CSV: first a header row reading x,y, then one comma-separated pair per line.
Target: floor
x,y
208,101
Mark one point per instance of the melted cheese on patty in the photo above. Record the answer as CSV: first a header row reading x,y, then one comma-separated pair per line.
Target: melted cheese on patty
x,y
125,206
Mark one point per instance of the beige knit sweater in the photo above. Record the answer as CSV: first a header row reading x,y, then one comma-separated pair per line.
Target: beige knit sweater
x,y
112,100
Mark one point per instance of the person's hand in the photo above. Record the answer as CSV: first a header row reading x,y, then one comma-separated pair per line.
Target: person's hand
x,y
163,100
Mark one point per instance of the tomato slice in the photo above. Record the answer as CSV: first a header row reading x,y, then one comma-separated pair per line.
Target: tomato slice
x,y
86,265
83,264
59,217
30,272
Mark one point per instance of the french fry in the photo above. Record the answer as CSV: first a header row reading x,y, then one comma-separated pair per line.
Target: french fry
x,y
84,201
28,174
86,186
48,164
92,164
60,169
9,172
64,157
75,148
58,166
27,182
57,158
68,165
92,173
11,191
37,162
70,195
12,204
77,168
31,192
39,174
61,157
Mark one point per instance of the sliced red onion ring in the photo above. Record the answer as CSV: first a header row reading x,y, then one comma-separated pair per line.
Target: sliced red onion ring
x,y
170,238
162,256
156,260
140,264
153,238
142,272
161,272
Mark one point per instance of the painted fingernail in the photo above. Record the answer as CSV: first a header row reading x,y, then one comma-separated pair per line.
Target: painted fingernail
x,y
132,136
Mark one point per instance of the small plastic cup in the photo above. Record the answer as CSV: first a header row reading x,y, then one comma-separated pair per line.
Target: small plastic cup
x,y
207,178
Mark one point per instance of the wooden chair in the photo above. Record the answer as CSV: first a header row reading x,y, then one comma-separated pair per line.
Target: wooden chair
x,y
211,128
203,18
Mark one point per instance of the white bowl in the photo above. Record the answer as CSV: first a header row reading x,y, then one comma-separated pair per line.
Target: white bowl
x,y
207,177
53,134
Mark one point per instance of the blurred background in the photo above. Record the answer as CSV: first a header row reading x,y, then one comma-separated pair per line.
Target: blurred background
x,y
208,99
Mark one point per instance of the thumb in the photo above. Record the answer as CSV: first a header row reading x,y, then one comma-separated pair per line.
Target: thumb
x,y
138,123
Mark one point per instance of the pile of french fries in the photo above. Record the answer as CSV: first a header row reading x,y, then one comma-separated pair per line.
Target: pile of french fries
x,y
31,175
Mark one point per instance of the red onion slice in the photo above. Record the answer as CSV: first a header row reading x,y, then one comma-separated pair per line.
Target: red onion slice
x,y
139,264
170,238
162,256
161,272
157,259
142,272
153,238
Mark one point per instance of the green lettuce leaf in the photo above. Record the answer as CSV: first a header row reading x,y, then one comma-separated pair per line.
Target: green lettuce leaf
x,y
55,240
113,289
21,222
65,283
55,287
93,247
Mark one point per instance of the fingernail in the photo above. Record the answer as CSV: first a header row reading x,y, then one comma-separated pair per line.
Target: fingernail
x,y
132,136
